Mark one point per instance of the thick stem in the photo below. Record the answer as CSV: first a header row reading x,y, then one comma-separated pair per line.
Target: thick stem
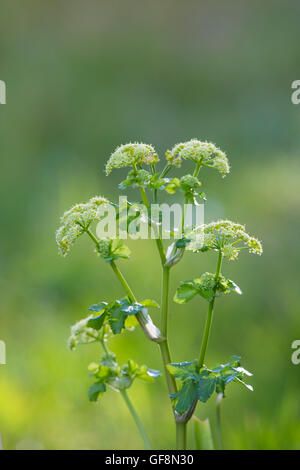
x,y
136,419
164,346
209,317
197,169
181,436
218,420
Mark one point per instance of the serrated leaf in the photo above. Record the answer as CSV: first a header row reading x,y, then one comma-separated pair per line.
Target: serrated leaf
x,y
98,307
185,292
132,308
97,322
205,386
183,370
96,390
185,397
131,322
117,319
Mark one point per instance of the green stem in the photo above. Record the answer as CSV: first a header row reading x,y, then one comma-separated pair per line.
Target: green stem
x,y
164,346
123,281
136,419
165,171
218,420
92,236
184,214
181,436
158,240
197,169
209,317
165,301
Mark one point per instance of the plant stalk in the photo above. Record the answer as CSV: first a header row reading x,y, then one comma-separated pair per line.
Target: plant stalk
x,y
209,317
180,436
136,419
218,421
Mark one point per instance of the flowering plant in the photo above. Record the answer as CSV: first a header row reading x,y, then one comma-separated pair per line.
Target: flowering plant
x,y
189,381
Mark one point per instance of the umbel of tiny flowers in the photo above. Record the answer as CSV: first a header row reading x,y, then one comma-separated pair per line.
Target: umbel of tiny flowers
x,y
224,235
202,153
133,155
77,221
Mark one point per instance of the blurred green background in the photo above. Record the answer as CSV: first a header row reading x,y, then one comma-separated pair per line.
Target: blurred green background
x,y
81,79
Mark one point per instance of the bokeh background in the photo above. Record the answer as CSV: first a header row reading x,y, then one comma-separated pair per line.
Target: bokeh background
x,y
81,79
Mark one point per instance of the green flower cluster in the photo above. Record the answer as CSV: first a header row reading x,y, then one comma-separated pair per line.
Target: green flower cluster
x,y
76,221
131,155
203,153
223,235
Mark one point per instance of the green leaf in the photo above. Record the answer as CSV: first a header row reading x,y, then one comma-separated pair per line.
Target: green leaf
x,y
185,397
131,322
98,307
96,390
233,287
132,308
185,292
119,249
172,185
202,434
117,318
205,386
97,322
182,242
183,370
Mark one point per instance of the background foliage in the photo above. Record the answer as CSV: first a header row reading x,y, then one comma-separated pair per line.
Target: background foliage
x,y
83,78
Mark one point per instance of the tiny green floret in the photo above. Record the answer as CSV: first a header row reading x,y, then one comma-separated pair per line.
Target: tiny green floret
x,y
76,221
134,155
223,235
202,153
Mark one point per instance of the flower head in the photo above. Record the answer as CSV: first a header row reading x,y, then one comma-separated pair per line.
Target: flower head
x,y
223,235
83,333
131,155
203,153
76,221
